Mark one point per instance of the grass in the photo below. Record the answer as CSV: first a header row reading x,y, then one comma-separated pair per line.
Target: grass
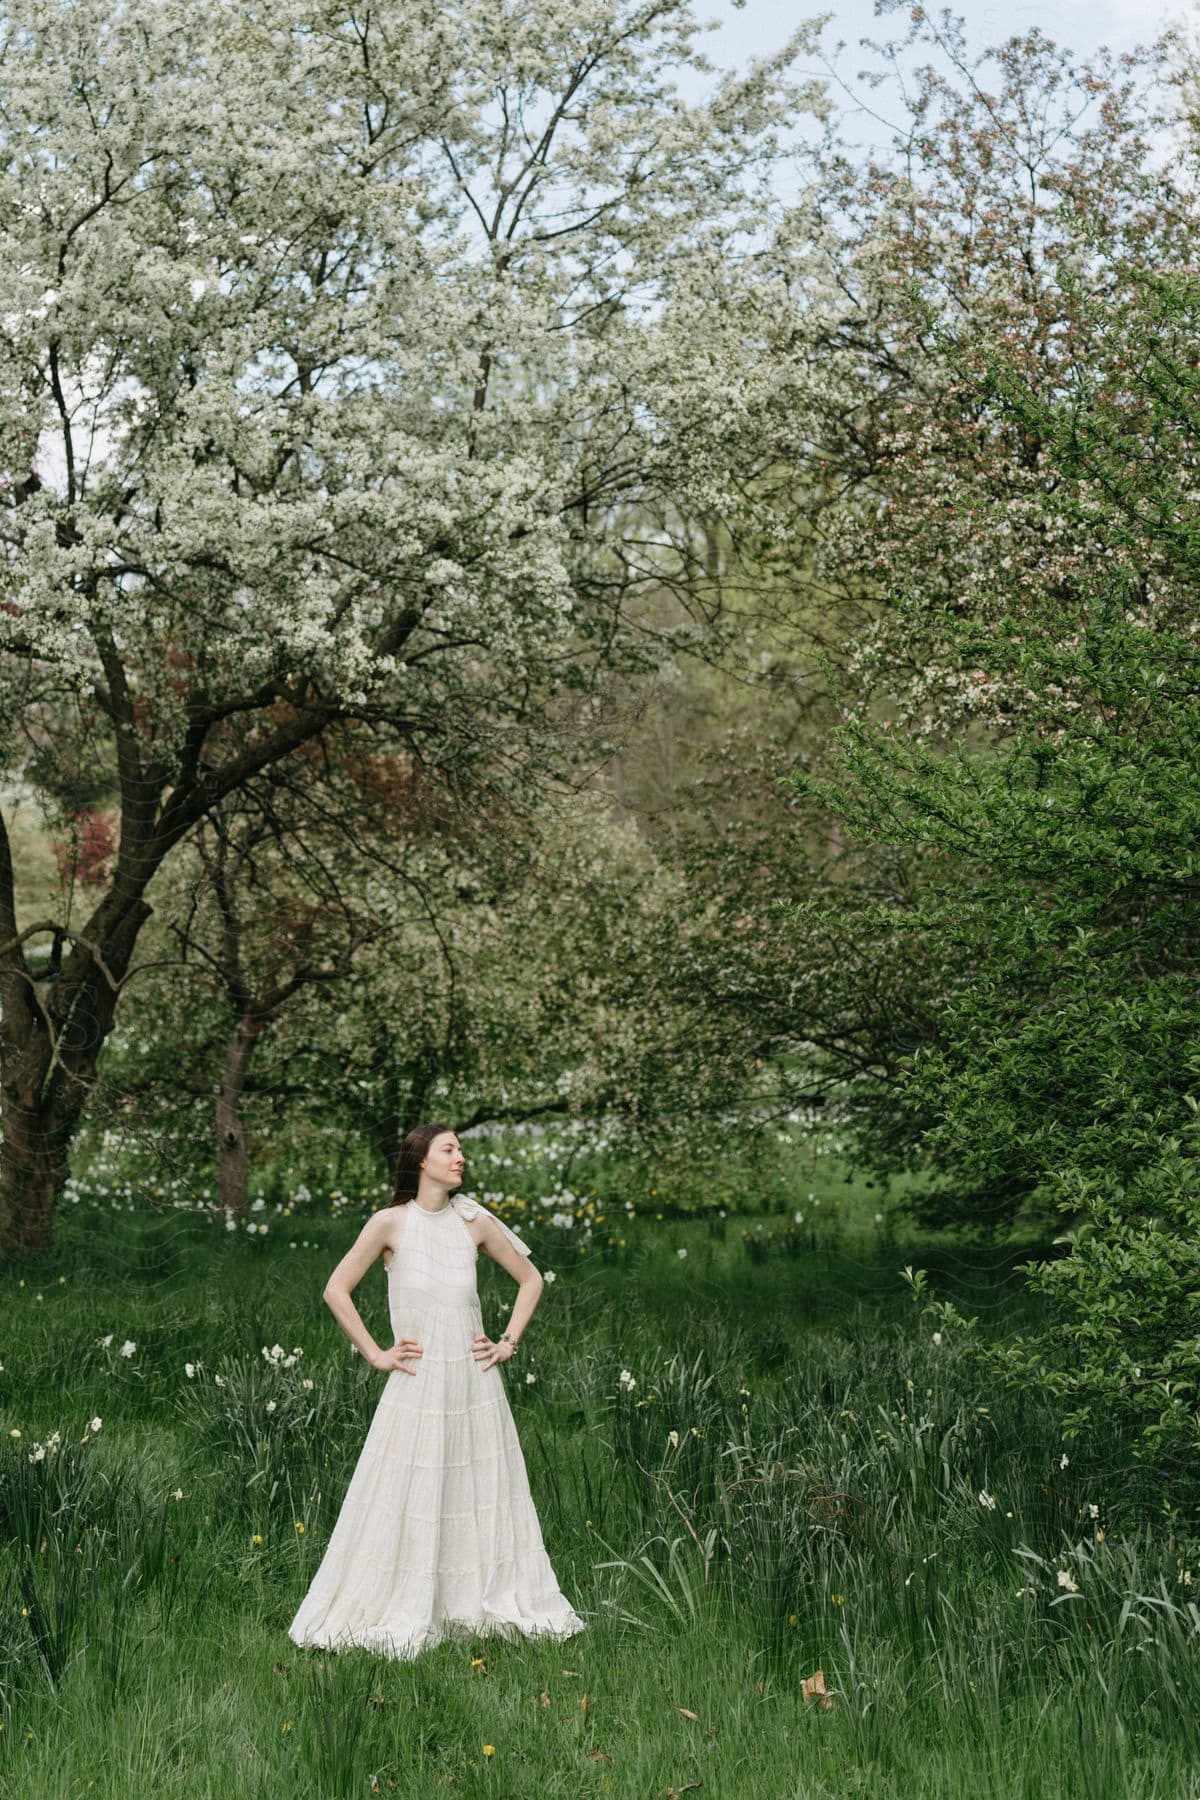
x,y
798,1478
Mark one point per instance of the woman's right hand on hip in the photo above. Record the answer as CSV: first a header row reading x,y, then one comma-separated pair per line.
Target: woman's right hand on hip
x,y
404,1351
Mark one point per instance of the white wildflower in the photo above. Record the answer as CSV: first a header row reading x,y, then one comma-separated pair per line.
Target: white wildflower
x,y
128,1347
681,1254
627,1381
94,1425
937,1340
1067,1581
987,1500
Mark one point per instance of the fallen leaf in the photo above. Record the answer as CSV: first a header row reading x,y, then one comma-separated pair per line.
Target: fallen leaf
x,y
674,1793
377,1700
688,1715
813,1688
585,1705
600,1756
544,1697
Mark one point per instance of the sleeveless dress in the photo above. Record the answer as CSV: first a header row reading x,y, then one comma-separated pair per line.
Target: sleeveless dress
x,y
437,1536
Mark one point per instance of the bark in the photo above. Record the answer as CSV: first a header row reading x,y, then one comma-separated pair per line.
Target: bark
x,y
230,1126
33,1169
53,1024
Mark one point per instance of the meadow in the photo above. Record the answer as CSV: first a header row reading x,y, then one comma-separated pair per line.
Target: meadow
x,y
752,1458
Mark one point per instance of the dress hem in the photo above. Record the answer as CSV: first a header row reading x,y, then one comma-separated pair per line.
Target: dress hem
x,y
401,1646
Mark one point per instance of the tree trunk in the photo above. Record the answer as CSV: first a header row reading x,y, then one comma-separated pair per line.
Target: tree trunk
x,y
51,1035
230,1129
33,1170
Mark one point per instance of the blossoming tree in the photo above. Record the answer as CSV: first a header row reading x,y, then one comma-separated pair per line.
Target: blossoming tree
x,y
344,353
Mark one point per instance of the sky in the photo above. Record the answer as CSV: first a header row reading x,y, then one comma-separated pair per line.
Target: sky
x,y
1081,25
761,26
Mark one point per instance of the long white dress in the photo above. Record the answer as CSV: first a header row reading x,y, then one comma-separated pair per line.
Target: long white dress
x,y
437,1536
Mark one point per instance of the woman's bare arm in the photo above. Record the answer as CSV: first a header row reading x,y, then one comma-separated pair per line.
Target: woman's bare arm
x,y
370,1243
503,1251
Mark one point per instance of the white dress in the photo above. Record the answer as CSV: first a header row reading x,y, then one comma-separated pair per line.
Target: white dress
x,y
437,1535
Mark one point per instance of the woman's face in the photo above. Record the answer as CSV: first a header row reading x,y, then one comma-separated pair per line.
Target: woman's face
x,y
444,1161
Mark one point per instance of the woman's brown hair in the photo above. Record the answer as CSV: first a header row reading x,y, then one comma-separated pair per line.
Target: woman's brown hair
x,y
408,1163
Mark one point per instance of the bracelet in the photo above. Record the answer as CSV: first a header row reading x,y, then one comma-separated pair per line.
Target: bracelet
x,y
505,1339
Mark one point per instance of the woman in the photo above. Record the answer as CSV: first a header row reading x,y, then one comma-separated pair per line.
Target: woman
x,y
437,1535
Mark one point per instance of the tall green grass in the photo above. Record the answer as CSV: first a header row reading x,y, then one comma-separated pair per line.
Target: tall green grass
x,y
793,1475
